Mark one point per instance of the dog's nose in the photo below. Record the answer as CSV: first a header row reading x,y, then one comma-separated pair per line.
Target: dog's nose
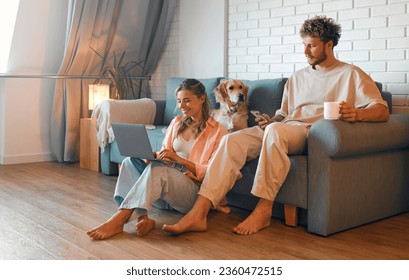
x,y
241,97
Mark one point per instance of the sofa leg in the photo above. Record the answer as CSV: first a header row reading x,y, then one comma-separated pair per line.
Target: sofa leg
x,y
291,215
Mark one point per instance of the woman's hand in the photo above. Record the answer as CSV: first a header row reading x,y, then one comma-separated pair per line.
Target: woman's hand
x,y
171,155
168,155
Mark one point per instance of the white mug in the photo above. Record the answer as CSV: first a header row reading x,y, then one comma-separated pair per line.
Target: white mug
x,y
331,110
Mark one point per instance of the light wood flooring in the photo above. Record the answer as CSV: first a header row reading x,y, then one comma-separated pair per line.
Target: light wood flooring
x,y
46,208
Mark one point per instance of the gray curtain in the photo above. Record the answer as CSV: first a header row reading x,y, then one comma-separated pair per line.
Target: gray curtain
x,y
108,26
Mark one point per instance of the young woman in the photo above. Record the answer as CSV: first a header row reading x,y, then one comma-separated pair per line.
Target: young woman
x,y
191,140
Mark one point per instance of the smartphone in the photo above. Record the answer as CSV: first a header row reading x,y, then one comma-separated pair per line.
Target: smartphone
x,y
256,114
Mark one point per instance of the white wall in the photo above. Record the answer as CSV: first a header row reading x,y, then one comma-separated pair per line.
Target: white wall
x,y
37,48
196,45
202,38
264,40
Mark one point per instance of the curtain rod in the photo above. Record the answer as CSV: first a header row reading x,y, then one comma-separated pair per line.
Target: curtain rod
x,y
66,77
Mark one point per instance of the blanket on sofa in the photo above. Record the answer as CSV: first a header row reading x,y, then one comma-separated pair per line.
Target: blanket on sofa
x,y
126,111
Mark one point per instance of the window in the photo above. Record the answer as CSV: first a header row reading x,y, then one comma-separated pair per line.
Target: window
x,y
8,14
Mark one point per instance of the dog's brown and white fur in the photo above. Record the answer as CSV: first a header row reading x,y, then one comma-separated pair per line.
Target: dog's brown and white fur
x,y
233,112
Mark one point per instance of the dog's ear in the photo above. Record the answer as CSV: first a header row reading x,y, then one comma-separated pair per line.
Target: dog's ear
x,y
220,91
245,87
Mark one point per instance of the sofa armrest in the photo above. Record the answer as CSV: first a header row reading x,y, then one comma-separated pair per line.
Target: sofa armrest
x,y
124,111
356,173
339,138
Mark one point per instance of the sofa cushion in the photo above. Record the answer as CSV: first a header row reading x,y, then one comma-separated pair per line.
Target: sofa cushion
x,y
387,96
171,109
265,96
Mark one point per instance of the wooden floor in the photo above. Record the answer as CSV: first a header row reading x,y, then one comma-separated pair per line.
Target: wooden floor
x,y
46,208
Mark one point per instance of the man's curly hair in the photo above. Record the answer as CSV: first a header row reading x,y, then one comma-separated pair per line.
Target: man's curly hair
x,y
326,29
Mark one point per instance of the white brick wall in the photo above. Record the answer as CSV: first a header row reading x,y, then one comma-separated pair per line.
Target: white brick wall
x,y
264,41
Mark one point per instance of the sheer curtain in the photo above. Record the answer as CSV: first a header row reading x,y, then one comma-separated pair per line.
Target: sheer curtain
x,y
108,26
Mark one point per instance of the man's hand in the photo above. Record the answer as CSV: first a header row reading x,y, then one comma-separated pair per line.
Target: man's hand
x,y
348,112
375,113
263,121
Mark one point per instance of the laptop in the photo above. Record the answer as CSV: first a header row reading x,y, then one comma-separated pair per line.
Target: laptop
x,y
133,141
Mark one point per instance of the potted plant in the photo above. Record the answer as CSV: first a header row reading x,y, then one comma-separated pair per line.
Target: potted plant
x,y
120,76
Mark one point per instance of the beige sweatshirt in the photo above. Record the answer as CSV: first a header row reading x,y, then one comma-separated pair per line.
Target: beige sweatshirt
x,y
307,89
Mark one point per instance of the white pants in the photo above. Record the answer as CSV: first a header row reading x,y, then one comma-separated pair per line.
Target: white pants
x,y
273,145
159,185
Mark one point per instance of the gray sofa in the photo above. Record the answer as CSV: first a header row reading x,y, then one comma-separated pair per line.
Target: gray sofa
x,y
351,173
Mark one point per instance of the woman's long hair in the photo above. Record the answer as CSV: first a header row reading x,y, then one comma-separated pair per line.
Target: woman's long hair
x,y
198,89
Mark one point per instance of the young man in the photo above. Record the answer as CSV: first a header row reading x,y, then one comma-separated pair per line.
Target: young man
x,y
274,139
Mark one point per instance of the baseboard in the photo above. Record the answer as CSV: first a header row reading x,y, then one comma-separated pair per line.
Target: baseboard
x,y
28,158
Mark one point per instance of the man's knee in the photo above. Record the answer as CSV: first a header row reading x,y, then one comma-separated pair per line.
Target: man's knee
x,y
274,129
230,140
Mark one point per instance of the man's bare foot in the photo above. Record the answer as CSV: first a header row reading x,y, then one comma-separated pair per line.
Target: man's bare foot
x,y
111,227
187,224
222,207
260,218
194,220
144,225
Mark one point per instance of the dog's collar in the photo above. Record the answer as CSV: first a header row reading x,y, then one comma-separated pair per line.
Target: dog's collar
x,y
232,111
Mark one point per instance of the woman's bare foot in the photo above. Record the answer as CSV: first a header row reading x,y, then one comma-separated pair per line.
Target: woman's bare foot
x,y
111,227
144,225
260,218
